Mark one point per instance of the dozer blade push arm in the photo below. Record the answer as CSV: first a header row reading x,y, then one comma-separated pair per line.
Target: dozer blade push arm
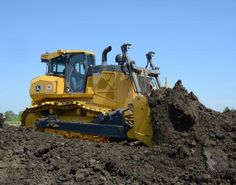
x,y
132,74
111,124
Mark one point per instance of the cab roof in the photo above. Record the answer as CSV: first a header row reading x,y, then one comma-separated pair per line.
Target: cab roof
x,y
48,56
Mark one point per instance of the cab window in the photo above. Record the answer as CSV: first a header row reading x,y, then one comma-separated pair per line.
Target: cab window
x,y
77,74
78,61
58,68
58,65
91,60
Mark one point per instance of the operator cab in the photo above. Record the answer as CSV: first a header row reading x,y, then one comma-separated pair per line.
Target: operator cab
x,y
70,64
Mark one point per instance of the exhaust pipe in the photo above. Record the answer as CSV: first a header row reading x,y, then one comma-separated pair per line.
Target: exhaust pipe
x,y
104,55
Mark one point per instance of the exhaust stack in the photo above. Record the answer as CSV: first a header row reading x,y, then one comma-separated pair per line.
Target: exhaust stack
x,y
104,55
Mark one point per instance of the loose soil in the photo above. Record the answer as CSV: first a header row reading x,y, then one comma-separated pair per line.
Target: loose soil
x,y
191,145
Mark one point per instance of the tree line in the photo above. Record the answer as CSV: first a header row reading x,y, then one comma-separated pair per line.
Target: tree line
x,y
11,116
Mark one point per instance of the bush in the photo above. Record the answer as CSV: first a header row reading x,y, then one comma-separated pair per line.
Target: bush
x,y
227,109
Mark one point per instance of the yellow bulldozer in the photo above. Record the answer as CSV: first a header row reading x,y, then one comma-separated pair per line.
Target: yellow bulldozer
x,y
77,98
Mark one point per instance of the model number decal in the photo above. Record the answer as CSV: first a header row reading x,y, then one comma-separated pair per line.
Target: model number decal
x,y
49,87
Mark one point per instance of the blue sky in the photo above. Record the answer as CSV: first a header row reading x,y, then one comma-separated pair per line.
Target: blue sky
x,y
195,41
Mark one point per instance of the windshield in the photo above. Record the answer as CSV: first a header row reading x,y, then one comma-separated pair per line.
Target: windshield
x,y
58,65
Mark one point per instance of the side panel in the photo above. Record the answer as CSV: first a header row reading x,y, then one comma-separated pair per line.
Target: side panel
x,y
46,86
125,91
110,89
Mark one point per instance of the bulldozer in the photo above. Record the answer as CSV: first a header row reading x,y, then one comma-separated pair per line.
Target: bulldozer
x,y
78,99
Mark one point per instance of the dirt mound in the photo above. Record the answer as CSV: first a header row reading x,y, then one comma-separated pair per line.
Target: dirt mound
x,y
199,142
173,110
2,119
192,145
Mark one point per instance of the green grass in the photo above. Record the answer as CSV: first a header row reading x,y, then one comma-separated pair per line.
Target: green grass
x,y
15,123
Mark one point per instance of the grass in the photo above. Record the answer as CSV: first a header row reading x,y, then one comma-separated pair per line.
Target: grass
x,y
15,123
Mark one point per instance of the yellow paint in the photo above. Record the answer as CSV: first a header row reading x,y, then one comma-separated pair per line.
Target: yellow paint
x,y
44,86
30,118
48,56
142,129
110,89
166,83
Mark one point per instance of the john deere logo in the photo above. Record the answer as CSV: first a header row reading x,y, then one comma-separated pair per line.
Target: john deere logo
x,y
37,88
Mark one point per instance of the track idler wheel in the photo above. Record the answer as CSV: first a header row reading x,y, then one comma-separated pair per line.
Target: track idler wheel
x,y
29,119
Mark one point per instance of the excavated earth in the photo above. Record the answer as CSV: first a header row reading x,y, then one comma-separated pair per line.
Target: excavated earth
x,y
191,145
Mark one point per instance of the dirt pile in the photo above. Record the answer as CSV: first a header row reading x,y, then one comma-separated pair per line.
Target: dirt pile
x,y
200,143
29,157
192,145
2,119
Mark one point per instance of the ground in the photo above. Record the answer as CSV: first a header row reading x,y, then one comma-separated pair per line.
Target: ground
x,y
191,145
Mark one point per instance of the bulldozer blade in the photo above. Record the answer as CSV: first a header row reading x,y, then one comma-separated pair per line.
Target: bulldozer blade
x,y
142,129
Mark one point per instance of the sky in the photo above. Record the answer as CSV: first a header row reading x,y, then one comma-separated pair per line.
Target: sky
x,y
194,41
